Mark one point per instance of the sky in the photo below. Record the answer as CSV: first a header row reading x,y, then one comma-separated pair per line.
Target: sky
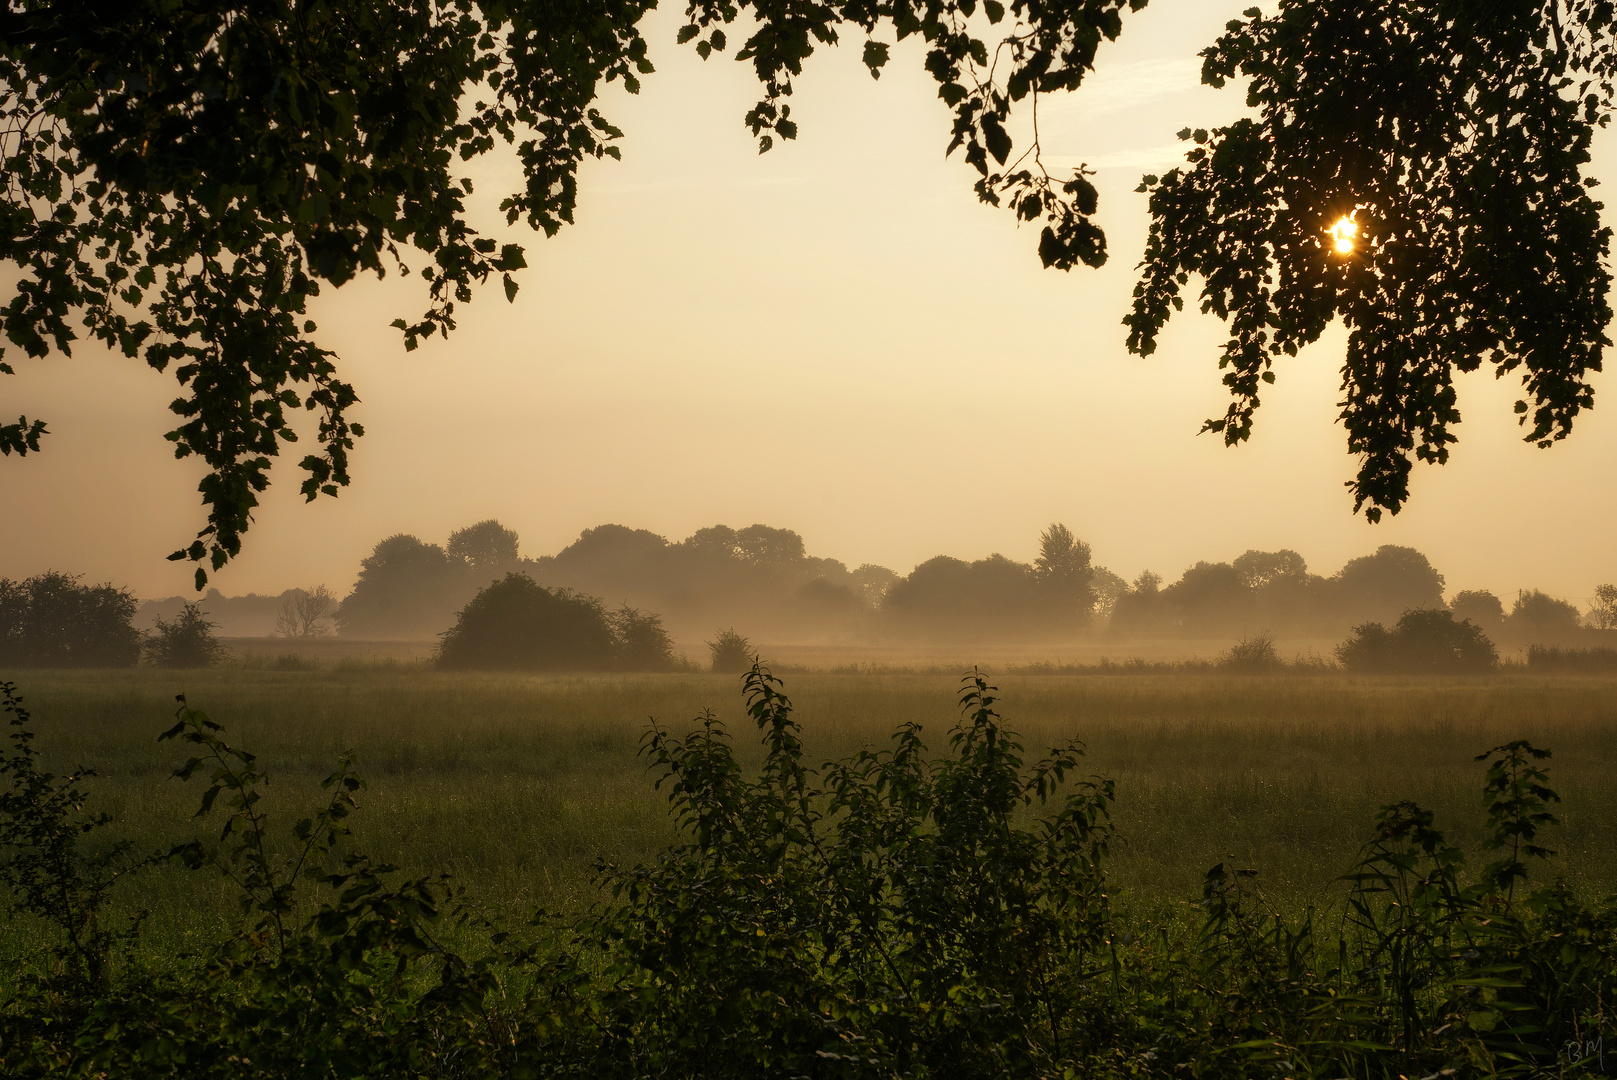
x,y
836,338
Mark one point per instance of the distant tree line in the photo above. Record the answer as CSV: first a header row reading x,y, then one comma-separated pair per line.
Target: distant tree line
x,y
761,581
411,588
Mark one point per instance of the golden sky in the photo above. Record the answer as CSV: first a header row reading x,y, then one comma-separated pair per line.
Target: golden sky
x,y
835,338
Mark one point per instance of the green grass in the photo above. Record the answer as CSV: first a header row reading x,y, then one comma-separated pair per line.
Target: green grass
x,y
517,784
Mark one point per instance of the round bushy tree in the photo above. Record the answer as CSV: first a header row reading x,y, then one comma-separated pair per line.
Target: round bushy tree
x,y
516,624
484,546
1425,642
187,642
1478,606
50,620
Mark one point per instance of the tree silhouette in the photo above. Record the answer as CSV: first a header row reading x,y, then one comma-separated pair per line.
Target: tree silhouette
x,y
185,642
307,613
405,587
488,545
516,624
1063,566
183,180
50,620
1414,169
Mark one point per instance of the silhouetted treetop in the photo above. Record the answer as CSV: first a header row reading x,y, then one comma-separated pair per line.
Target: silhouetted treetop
x,y
484,546
1478,606
1063,562
614,542
184,178
405,586
1416,170
1394,575
1260,568
1538,615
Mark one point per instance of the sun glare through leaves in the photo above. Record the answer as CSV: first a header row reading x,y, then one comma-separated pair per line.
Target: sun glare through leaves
x,y
1344,234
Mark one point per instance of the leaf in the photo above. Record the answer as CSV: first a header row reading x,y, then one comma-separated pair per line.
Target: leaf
x,y
999,143
314,208
875,56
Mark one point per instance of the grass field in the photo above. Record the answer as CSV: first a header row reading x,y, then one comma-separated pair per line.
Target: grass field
x,y
517,784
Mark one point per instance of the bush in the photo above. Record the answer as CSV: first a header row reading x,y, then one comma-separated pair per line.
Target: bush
x,y
641,642
516,624
731,652
187,642
53,621
1252,655
1425,642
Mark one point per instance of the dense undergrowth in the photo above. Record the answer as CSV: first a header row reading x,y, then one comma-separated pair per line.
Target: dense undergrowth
x,y
898,913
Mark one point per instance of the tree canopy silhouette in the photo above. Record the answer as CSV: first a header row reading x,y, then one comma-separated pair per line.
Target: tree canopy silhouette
x,y
50,620
1415,169
517,624
183,179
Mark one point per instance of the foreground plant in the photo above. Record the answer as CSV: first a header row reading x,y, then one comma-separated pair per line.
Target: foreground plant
x,y
899,913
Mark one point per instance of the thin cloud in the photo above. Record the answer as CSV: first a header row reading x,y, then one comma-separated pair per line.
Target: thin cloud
x,y
1124,87
1143,158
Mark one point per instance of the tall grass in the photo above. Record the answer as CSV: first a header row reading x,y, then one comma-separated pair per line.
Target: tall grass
x,y
518,784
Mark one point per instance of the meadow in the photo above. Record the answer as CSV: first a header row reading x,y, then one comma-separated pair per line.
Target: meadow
x,y
518,784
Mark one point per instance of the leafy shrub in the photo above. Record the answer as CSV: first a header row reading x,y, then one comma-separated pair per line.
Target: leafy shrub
x,y
187,642
641,642
1253,655
1425,642
52,621
1552,658
730,652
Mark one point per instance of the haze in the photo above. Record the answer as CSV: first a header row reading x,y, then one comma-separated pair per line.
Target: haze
x,y
834,338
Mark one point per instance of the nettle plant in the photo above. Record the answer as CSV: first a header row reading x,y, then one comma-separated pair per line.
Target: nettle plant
x,y
892,914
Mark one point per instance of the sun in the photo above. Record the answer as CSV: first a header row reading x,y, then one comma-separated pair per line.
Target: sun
x,y
1343,234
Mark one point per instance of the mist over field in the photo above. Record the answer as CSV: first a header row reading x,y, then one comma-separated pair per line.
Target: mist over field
x,y
810,608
